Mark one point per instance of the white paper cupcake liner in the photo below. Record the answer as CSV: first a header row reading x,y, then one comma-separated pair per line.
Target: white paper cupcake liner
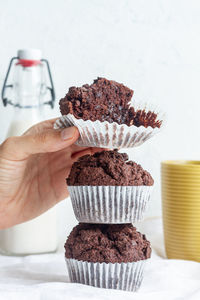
x,y
120,276
109,204
105,134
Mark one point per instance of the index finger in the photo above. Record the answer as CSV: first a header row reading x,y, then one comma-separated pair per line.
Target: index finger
x,y
47,124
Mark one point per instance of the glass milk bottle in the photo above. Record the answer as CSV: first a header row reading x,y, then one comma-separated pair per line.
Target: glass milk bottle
x,y
27,93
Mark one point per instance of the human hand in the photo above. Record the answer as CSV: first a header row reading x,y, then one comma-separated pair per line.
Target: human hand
x,y
33,168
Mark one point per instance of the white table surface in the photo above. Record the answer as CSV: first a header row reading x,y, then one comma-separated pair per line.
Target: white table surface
x,y
44,277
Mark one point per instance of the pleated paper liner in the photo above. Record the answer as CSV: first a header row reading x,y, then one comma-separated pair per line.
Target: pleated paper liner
x,y
110,204
119,276
105,134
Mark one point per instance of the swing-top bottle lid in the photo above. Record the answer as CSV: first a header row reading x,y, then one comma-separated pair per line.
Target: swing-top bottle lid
x,y
29,54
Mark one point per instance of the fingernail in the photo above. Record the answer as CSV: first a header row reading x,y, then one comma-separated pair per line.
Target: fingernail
x,y
67,133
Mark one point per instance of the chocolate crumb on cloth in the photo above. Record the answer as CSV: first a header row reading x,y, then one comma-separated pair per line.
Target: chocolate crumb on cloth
x,y
108,168
107,243
106,100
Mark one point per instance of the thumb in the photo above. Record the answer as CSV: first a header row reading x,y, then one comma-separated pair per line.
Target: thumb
x,y
50,140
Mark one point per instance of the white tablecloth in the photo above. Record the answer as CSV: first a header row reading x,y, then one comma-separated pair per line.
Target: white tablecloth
x,y
44,277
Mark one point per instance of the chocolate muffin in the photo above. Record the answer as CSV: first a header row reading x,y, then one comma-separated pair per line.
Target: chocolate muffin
x,y
116,243
106,100
108,168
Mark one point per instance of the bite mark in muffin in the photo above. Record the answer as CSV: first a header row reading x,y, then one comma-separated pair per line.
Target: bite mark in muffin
x,y
106,100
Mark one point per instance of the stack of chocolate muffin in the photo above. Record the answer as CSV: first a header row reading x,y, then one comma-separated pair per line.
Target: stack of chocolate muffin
x,y
108,192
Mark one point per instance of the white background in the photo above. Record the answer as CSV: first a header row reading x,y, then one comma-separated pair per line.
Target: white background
x,y
151,46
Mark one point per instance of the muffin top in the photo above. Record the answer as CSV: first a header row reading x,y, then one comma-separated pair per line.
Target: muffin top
x,y
106,100
108,168
109,243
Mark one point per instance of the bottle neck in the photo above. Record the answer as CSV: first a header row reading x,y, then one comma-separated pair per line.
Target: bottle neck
x,y
28,94
29,86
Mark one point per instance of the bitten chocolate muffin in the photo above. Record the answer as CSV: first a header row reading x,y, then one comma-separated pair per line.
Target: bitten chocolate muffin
x,y
108,168
106,100
107,243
